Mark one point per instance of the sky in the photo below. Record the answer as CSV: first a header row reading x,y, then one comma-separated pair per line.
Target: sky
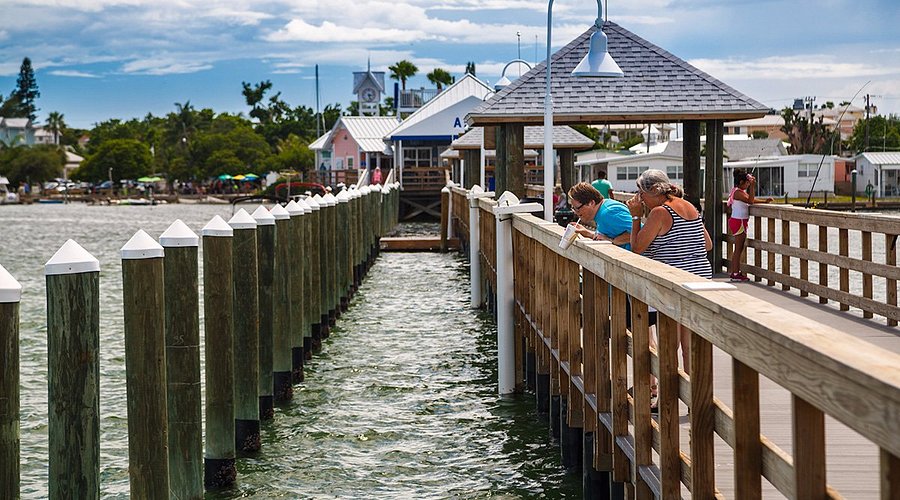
x,y
103,59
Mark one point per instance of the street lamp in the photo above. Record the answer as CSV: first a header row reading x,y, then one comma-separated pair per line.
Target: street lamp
x,y
597,62
504,81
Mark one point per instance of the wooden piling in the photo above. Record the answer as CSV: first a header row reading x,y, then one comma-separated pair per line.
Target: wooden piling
x,y
295,267
281,345
326,232
246,333
265,257
182,337
218,304
10,295
73,341
445,217
343,246
145,366
308,268
315,285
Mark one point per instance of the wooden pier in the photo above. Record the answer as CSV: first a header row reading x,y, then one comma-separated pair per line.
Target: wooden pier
x,y
786,396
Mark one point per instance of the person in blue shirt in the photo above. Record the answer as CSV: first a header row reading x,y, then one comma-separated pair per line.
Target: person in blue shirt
x,y
612,217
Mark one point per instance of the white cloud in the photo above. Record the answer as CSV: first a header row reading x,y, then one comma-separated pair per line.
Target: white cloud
x,y
73,73
163,66
789,68
298,30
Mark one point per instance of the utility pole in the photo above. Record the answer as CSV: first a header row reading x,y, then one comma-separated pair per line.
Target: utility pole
x,y
866,148
318,130
519,49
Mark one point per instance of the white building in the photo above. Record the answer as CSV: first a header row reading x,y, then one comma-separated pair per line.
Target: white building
x,y
792,175
881,170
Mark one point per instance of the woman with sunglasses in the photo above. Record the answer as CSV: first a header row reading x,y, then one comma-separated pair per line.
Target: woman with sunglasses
x,y
611,217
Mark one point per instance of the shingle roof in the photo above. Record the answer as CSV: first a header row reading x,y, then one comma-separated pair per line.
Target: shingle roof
x,y
564,137
657,87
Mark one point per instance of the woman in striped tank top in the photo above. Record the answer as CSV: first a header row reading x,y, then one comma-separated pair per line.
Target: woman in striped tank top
x,y
673,233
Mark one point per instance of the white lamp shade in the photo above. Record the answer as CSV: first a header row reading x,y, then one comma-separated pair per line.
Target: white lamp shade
x,y
598,62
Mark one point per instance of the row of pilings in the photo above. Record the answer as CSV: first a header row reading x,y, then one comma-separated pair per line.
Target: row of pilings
x,y
274,283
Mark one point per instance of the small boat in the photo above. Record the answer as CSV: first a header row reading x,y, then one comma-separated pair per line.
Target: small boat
x,y
7,197
49,201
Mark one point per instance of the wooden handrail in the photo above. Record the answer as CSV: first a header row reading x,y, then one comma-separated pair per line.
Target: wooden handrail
x,y
827,371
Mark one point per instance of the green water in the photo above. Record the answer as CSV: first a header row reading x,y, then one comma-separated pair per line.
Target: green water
x,y
401,403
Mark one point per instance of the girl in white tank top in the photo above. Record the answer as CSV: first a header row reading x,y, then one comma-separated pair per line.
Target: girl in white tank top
x,y
740,199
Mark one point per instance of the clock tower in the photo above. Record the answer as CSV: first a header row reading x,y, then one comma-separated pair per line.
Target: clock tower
x,y
369,87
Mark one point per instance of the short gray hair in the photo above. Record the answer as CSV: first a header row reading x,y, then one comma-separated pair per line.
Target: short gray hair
x,y
656,182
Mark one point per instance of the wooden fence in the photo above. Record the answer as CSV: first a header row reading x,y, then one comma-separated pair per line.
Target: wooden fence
x,y
570,308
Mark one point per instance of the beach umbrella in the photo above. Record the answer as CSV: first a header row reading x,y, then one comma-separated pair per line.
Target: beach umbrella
x,y
149,179
250,177
238,177
224,177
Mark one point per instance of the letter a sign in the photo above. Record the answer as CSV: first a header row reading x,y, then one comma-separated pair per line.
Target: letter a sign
x,y
457,123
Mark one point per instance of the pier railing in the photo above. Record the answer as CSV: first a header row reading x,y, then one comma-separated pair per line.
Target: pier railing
x,y
860,271
577,349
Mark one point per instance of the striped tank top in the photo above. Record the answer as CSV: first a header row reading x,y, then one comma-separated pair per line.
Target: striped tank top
x,y
683,246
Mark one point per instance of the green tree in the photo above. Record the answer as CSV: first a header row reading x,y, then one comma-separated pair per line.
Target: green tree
x,y
470,68
440,77
884,134
293,154
26,91
128,158
56,124
34,164
402,71
9,107
804,135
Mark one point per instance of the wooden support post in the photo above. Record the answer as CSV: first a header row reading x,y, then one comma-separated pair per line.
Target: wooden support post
x,y
747,446
246,333
669,382
890,475
770,255
691,158
182,333
472,166
712,195
567,174
297,256
514,137
218,320
823,268
718,222
643,433
867,277
501,163
804,263
809,450
281,334
145,366
785,258
73,326
10,296
265,258
844,273
757,252
702,419
619,380
890,258
445,217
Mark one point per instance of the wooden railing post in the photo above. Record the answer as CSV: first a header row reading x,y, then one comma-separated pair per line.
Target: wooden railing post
x,y
669,382
702,418
315,285
809,450
297,256
182,334
445,217
246,333
145,366
218,307
73,326
747,447
10,295
265,258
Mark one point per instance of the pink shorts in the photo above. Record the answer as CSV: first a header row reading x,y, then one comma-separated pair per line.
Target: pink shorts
x,y
737,226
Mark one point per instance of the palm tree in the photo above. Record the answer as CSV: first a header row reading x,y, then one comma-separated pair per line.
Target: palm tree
x,y
440,77
55,124
403,70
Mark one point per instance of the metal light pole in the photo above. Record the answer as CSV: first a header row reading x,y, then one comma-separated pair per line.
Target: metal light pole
x,y
597,62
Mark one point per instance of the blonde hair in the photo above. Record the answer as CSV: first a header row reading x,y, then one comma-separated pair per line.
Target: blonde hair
x,y
656,182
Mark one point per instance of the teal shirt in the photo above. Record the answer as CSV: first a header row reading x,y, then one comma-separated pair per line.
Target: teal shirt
x,y
603,186
613,219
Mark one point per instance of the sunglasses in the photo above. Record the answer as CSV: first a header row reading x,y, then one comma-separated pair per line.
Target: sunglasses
x,y
574,208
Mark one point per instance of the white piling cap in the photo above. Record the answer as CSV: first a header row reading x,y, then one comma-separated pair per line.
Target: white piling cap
x,y
318,198
279,212
313,203
451,184
343,197
217,227
242,220
376,188
71,259
304,205
142,246
179,235
10,289
365,190
445,189
329,200
263,217
294,209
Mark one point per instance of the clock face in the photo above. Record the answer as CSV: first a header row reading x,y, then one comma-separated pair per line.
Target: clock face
x,y
368,95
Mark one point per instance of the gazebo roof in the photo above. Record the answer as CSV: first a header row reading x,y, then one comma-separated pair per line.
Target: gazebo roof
x,y
564,137
657,87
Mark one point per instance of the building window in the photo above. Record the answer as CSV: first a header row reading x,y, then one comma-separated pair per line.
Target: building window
x,y
349,162
629,173
807,170
416,157
675,173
